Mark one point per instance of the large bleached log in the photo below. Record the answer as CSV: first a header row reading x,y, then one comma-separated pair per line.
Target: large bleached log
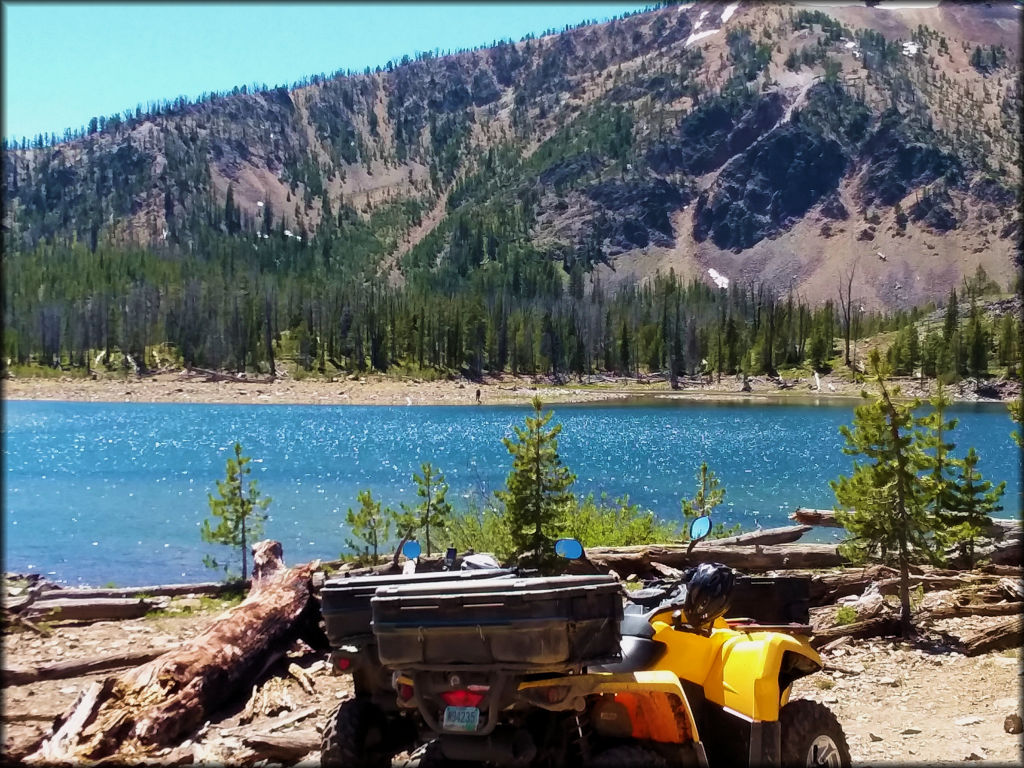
x,y
76,667
751,559
785,534
95,609
998,636
1000,528
155,705
52,591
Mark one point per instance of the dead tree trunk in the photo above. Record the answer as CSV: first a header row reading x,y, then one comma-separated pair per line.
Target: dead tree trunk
x,y
1003,634
786,534
156,704
75,667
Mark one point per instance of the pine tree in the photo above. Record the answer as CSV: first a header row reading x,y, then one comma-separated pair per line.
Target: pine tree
x,y
709,495
940,483
536,496
433,510
951,322
1008,344
240,511
369,527
977,342
882,503
974,499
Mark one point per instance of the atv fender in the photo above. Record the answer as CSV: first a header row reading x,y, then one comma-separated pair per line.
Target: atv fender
x,y
749,673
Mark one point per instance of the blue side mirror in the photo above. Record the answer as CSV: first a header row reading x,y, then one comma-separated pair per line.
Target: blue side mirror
x,y
412,549
700,527
570,549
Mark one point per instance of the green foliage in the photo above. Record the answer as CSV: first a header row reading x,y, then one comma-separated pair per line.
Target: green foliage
x,y
708,496
846,614
883,504
433,510
974,499
1016,409
482,529
238,509
369,526
615,524
536,498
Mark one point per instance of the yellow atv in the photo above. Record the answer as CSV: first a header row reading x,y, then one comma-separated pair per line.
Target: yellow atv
x,y
684,686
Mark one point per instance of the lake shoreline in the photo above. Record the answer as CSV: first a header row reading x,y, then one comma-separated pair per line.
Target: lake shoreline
x,y
190,387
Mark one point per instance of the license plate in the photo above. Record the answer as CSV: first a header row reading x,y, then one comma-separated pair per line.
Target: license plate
x,y
461,718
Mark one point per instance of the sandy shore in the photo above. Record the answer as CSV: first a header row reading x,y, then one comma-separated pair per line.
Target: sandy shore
x,y
182,387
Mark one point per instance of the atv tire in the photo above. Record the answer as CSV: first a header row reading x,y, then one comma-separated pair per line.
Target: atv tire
x,y
354,737
628,757
812,736
427,755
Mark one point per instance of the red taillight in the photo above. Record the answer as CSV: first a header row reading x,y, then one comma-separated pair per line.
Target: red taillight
x,y
404,691
462,698
343,663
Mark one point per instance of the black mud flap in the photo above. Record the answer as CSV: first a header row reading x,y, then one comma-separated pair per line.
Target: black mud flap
x,y
765,744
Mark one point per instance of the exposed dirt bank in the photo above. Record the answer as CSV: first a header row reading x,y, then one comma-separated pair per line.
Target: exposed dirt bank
x,y
183,387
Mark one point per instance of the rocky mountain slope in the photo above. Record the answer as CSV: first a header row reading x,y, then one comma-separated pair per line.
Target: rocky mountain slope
x,y
766,142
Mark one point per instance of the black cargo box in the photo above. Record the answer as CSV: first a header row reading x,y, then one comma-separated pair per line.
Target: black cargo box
x,y
550,623
345,603
771,599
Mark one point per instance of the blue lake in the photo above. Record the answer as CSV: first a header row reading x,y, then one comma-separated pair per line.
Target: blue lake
x,y
102,492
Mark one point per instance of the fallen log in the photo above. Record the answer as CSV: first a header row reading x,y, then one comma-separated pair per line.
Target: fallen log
x,y
823,517
76,667
97,609
637,560
156,704
1000,528
284,747
826,588
783,535
892,586
999,636
979,609
160,590
877,627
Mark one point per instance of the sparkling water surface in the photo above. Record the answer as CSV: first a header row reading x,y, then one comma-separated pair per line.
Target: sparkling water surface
x,y
109,492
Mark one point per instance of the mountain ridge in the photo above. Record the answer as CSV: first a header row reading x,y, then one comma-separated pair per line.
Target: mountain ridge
x,y
641,92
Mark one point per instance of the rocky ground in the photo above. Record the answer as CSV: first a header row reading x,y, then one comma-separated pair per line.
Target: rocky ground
x,y
182,387
916,703
899,703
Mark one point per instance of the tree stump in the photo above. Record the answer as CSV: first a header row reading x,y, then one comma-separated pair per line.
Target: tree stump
x,y
157,704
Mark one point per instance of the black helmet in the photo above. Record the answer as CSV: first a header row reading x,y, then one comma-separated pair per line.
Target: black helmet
x,y
708,594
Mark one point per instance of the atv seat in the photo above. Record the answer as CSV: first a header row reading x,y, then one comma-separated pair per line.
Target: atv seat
x,y
636,625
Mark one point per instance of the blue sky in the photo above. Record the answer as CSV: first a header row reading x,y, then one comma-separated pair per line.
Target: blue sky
x,y
65,63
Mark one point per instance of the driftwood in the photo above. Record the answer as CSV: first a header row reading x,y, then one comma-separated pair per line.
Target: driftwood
x,y
637,560
96,609
826,588
156,704
1000,528
955,610
51,591
876,627
783,535
1003,634
284,747
76,667
823,517
218,376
